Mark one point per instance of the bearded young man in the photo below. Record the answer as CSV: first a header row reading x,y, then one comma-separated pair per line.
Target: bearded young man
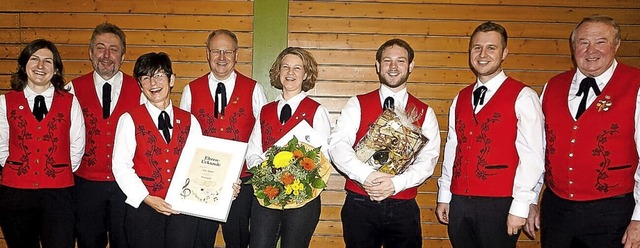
x,y
380,209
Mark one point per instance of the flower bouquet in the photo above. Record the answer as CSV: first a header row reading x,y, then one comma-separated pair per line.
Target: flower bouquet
x,y
392,142
291,176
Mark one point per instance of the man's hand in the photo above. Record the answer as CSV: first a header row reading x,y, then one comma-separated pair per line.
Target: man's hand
x,y
159,205
533,221
379,186
442,212
236,188
514,223
631,238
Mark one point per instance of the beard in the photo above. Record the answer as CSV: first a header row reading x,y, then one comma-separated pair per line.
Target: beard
x,y
393,84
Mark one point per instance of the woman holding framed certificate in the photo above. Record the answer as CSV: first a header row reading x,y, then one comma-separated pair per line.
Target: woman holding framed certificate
x,y
294,72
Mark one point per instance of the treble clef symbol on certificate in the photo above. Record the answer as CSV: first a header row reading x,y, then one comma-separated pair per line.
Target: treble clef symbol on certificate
x,y
185,191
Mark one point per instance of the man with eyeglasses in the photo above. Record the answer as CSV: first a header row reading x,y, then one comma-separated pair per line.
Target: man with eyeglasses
x,y
226,104
104,94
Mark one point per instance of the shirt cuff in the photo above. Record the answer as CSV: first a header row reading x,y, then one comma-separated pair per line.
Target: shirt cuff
x,y
135,201
519,208
636,213
444,196
398,184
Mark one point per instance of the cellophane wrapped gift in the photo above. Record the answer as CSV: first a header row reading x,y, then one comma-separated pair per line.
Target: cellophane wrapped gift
x,y
392,142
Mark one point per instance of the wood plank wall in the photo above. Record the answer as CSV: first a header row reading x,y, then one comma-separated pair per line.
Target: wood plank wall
x,y
343,36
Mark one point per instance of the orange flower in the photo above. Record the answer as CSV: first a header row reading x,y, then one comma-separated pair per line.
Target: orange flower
x,y
308,164
297,154
287,178
271,191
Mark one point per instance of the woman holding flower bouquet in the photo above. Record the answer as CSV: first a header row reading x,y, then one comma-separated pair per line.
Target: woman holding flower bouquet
x,y
290,172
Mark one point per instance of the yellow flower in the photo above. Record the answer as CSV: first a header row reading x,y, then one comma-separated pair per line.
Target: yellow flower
x,y
295,187
282,159
264,164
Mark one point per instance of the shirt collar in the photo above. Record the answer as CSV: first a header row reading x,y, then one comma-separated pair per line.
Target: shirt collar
x,y
29,93
602,80
154,111
99,81
227,82
494,83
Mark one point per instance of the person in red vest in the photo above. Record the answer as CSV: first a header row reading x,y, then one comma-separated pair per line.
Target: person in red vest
x,y
104,94
226,104
148,144
380,209
41,143
494,153
592,117
295,72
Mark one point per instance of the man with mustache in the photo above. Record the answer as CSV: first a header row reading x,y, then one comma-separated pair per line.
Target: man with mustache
x,y
494,152
104,94
380,209
226,104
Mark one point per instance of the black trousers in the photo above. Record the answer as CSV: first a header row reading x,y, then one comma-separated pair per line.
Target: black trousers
x,y
100,211
145,228
392,223
599,223
31,216
294,227
480,222
236,230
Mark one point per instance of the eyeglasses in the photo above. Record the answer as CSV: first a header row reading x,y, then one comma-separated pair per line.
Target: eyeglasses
x,y
218,52
159,77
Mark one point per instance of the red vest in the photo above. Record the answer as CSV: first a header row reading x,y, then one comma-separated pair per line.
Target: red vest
x,y
270,125
594,157
39,152
154,160
238,121
373,106
486,156
100,133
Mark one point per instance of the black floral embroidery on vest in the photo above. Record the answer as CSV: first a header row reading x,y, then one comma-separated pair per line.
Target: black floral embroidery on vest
x,y
267,138
457,162
50,137
549,151
601,151
208,128
484,139
25,137
234,119
91,123
153,151
182,140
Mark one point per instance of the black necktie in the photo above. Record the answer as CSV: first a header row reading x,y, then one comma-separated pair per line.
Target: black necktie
x,y
164,123
585,85
39,108
285,114
478,96
220,101
388,103
106,100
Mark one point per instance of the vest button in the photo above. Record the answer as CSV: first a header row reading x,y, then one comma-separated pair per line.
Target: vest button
x,y
166,150
38,139
166,161
573,141
36,185
108,177
108,134
470,133
221,129
575,127
108,155
169,180
39,127
108,145
168,170
570,182
570,168
571,195
571,155
37,161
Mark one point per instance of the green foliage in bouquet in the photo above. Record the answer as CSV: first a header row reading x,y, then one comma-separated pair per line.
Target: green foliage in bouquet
x,y
289,175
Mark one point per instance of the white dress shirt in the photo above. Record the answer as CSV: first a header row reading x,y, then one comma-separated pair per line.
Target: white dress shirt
x,y
343,138
124,149
574,102
529,146
321,124
116,87
76,132
258,99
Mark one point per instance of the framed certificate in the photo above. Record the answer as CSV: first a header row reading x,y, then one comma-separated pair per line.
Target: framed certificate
x,y
202,184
